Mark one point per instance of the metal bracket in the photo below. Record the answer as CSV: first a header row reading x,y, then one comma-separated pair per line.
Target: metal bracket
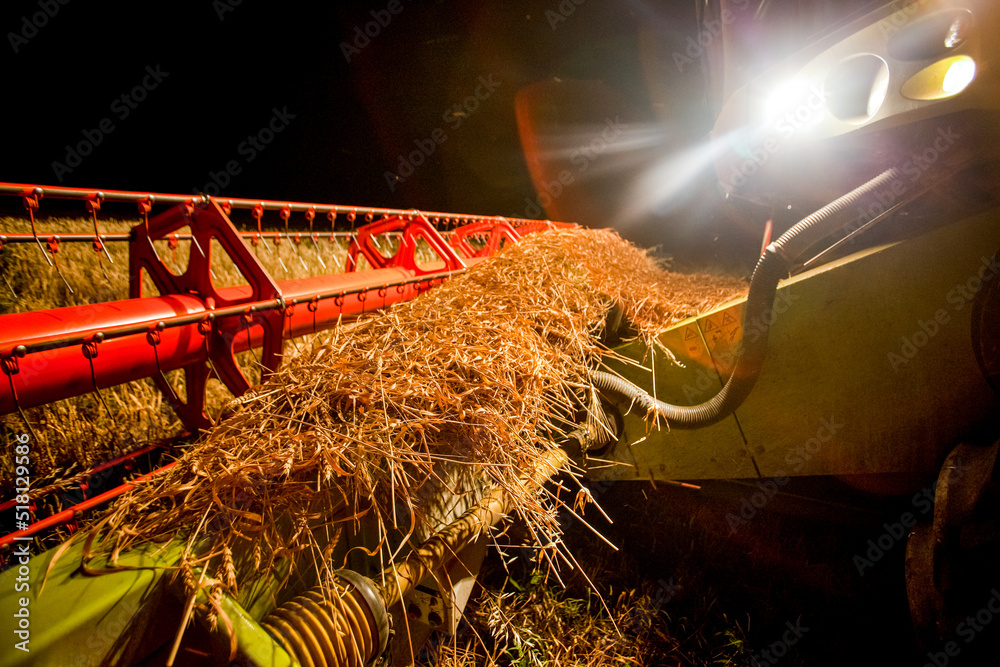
x,y
413,229
208,222
497,233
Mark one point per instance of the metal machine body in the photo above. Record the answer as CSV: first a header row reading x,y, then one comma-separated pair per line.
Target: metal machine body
x,y
881,358
881,363
873,370
192,321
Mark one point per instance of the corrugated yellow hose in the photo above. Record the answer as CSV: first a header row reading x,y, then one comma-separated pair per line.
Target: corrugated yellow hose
x,y
349,626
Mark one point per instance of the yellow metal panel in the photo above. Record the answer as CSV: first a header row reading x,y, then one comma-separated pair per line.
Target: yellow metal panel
x,y
646,451
870,369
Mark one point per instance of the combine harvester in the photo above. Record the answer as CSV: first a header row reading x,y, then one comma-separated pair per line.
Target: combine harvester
x,y
866,349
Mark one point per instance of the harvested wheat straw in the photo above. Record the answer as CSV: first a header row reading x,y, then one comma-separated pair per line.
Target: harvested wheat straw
x,y
478,376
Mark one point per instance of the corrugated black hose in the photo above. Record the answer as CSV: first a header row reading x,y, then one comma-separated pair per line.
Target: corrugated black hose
x,y
772,267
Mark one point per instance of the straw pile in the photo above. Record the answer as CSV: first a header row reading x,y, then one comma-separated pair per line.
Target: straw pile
x,y
481,374
76,434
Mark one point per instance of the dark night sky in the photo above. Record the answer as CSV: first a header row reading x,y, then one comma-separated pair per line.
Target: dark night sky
x,y
226,67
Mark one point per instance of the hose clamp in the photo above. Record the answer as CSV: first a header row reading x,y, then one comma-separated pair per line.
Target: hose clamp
x,y
775,249
375,602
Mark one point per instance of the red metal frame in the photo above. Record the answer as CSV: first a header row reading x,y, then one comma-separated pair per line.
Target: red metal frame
x,y
39,193
192,322
496,234
78,509
208,223
82,480
412,229
64,352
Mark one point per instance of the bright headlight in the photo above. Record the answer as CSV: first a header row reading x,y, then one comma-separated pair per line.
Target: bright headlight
x,y
785,98
794,106
959,75
945,78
